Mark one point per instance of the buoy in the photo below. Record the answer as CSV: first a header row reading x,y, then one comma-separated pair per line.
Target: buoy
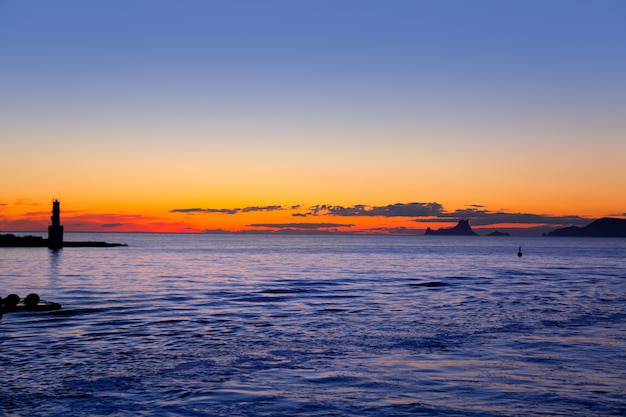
x,y
519,252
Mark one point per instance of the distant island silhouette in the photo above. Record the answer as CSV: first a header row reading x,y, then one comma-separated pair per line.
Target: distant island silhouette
x,y
498,233
55,237
604,227
462,228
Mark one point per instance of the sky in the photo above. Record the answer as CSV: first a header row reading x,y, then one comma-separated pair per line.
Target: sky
x,y
353,116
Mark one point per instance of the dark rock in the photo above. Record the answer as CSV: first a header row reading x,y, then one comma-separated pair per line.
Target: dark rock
x,y
461,229
91,244
32,302
31,299
10,240
10,302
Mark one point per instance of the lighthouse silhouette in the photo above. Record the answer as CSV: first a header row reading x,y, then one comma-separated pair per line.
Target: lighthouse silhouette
x,y
55,230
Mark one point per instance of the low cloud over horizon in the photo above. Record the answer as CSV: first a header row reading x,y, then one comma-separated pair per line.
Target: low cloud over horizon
x,y
301,226
399,218
479,217
428,212
228,211
391,210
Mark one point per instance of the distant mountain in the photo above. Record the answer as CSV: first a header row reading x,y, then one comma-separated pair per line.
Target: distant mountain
x,y
498,233
461,229
605,227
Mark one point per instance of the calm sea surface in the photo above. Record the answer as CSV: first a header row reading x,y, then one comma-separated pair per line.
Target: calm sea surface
x,y
263,325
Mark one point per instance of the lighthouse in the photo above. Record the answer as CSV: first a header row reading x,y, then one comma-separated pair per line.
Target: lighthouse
x,y
55,230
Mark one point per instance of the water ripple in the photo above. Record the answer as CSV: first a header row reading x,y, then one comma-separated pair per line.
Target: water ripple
x,y
351,326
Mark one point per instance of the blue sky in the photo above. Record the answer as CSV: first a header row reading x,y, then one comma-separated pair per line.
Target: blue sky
x,y
384,101
256,46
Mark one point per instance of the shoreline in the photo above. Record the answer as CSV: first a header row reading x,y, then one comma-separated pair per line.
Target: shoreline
x,y
12,241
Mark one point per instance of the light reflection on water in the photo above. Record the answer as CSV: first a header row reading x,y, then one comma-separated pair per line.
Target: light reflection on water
x,y
294,325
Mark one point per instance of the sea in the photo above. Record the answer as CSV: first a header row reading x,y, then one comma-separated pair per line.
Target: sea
x,y
306,325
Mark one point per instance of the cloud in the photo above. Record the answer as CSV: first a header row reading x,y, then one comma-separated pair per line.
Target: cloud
x,y
216,231
206,210
434,212
396,231
485,217
265,208
86,221
227,211
429,212
391,210
301,226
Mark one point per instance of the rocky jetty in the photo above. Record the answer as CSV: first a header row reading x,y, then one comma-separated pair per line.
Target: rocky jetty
x,y
605,227
12,241
461,229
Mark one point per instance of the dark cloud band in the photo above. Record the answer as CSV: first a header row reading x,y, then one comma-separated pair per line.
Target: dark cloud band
x,y
431,212
227,211
391,210
300,226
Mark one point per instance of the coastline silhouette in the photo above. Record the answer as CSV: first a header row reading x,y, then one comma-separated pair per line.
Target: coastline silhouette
x,y
55,236
604,227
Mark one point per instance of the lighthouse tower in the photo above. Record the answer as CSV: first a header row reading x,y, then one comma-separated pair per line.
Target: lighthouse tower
x,y
55,231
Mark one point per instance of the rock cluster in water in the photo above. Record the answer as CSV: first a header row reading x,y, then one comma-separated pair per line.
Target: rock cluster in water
x,y
32,302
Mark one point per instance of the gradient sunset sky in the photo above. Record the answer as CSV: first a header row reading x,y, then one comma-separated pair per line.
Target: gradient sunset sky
x,y
342,115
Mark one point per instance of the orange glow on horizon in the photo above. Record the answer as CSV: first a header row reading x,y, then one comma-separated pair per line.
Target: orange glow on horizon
x,y
34,216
